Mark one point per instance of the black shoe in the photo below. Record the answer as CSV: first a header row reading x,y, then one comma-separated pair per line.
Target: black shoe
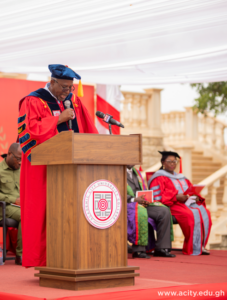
x,y
163,253
141,255
18,260
205,252
130,249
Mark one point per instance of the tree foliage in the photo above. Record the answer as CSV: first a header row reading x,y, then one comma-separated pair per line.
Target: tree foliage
x,y
213,97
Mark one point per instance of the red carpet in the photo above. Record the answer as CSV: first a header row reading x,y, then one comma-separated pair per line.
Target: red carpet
x,y
183,274
212,292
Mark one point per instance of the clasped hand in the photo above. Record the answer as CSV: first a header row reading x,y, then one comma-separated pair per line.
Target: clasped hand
x,y
17,202
183,198
141,200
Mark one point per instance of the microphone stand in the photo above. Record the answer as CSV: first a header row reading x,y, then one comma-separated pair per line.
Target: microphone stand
x,y
107,121
110,129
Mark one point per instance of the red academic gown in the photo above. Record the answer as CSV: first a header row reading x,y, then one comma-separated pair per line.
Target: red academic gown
x,y
188,219
38,123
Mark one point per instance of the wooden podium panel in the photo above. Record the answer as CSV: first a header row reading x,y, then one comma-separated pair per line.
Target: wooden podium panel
x,y
79,255
110,150
86,279
68,232
77,148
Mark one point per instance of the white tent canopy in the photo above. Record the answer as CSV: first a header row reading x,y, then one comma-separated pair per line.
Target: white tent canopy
x,y
117,41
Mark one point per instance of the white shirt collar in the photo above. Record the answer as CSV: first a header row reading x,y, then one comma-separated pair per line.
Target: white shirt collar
x,y
47,89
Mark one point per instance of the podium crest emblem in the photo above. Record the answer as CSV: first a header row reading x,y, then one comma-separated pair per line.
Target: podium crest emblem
x,y
102,204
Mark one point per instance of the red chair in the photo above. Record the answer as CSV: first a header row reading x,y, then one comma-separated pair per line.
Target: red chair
x,y
148,176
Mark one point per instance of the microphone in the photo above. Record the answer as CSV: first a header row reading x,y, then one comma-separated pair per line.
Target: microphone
x,y
108,119
67,105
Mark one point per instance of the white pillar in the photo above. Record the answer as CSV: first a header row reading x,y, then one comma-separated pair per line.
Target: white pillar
x,y
186,153
191,124
213,203
144,111
204,130
213,136
154,111
188,123
136,111
222,142
224,200
130,110
125,111
195,127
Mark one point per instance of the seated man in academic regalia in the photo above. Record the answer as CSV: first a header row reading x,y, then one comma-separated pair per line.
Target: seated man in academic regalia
x,y
43,114
142,214
10,191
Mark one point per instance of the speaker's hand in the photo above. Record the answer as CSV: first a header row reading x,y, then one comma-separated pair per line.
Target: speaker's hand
x,y
66,115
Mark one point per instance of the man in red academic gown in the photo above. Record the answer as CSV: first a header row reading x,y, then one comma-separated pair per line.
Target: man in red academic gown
x,y
42,116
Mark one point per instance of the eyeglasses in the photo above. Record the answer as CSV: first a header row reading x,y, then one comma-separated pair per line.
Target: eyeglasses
x,y
66,88
17,158
172,161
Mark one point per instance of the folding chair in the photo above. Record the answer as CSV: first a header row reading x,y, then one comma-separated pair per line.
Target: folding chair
x,y
5,223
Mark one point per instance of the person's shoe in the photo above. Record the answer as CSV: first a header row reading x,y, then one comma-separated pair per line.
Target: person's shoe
x,y
163,253
18,260
141,255
205,251
129,249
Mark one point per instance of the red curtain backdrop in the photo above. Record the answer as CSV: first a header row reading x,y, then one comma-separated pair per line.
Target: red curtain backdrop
x,y
11,91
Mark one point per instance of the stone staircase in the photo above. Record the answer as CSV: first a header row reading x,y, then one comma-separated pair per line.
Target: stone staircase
x,y
220,243
199,139
202,167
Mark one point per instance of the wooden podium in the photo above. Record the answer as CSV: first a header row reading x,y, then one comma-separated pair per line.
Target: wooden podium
x,y
80,256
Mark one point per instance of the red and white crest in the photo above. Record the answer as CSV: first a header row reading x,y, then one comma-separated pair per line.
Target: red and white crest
x,y
102,204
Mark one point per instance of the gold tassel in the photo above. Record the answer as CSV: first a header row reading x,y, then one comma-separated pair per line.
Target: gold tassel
x,y
80,92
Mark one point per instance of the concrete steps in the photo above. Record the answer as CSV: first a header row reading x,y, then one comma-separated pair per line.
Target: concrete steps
x,y
198,169
220,243
202,158
202,167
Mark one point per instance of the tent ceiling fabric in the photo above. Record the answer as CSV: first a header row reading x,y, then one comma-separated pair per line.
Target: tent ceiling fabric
x,y
117,41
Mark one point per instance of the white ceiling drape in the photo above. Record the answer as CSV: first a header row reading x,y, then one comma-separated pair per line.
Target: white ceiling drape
x,y
117,41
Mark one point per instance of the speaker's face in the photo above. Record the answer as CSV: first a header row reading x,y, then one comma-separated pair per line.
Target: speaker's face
x,y
61,88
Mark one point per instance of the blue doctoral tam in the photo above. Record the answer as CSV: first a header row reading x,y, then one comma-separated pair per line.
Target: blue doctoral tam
x,y
63,72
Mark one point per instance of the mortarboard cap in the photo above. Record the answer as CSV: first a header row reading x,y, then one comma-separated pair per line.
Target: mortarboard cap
x,y
171,153
168,153
63,72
